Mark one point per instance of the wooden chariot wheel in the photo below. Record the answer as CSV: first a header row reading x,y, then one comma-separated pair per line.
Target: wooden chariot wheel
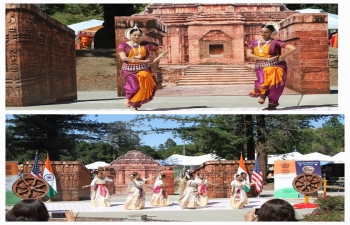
x,y
30,187
307,183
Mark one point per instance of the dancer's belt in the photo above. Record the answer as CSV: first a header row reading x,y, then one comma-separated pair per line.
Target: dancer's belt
x,y
134,67
263,64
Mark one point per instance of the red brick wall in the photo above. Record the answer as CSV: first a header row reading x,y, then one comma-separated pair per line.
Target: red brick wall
x,y
221,173
308,68
40,58
71,176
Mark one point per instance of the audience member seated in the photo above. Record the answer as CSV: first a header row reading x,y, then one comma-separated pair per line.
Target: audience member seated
x,y
272,210
33,210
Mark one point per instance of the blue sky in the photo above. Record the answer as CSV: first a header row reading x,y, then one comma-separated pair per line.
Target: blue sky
x,y
154,139
151,139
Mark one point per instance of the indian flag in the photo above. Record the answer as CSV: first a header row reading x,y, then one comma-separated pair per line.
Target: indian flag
x,y
241,169
50,178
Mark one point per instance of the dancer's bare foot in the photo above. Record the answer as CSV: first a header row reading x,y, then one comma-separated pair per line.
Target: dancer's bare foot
x,y
127,103
135,109
261,100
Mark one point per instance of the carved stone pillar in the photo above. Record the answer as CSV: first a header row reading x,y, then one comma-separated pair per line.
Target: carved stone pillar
x,y
40,58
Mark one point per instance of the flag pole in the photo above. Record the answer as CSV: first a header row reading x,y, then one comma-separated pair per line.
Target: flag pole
x,y
47,155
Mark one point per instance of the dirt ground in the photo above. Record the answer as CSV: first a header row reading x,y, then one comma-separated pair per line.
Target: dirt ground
x,y
96,69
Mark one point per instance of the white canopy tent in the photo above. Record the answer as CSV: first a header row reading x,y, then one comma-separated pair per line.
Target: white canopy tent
x,y
85,25
332,18
340,157
95,165
288,156
316,156
181,160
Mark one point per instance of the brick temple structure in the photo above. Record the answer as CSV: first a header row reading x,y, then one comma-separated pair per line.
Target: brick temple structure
x,y
221,173
207,34
40,58
136,161
212,33
71,176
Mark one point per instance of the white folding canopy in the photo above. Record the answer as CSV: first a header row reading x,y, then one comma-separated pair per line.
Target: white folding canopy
x,y
95,165
85,25
315,156
332,18
340,157
181,160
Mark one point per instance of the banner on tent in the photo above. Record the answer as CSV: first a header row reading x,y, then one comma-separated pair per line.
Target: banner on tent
x,y
308,167
285,172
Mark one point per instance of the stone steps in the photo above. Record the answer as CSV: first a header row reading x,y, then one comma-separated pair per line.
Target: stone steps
x,y
216,75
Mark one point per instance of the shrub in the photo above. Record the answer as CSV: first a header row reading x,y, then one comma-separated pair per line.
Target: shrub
x,y
330,208
324,215
331,203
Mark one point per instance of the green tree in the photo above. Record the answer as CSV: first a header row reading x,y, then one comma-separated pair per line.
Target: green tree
x,y
330,8
122,137
148,150
330,137
89,152
73,13
52,134
169,143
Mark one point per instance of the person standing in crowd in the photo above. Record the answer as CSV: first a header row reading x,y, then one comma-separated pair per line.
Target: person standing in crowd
x,y
189,198
100,196
270,66
159,197
238,197
140,83
272,210
136,194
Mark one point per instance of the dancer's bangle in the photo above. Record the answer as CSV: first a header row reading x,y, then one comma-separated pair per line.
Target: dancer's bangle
x,y
133,60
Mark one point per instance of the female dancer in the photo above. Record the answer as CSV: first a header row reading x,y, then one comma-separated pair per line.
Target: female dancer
x,y
239,197
182,183
140,83
202,187
270,67
159,197
189,198
136,194
100,195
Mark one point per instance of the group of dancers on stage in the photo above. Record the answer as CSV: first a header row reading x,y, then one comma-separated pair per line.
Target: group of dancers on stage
x,y
192,190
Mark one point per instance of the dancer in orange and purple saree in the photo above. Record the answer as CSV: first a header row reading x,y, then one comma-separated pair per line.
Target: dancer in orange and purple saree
x,y
270,67
140,83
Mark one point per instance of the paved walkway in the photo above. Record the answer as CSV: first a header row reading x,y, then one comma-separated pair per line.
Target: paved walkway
x,y
218,209
223,99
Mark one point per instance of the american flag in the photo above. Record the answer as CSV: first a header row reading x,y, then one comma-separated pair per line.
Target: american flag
x,y
257,176
36,168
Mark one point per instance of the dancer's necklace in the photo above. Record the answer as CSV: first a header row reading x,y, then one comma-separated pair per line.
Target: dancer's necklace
x,y
138,55
261,50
